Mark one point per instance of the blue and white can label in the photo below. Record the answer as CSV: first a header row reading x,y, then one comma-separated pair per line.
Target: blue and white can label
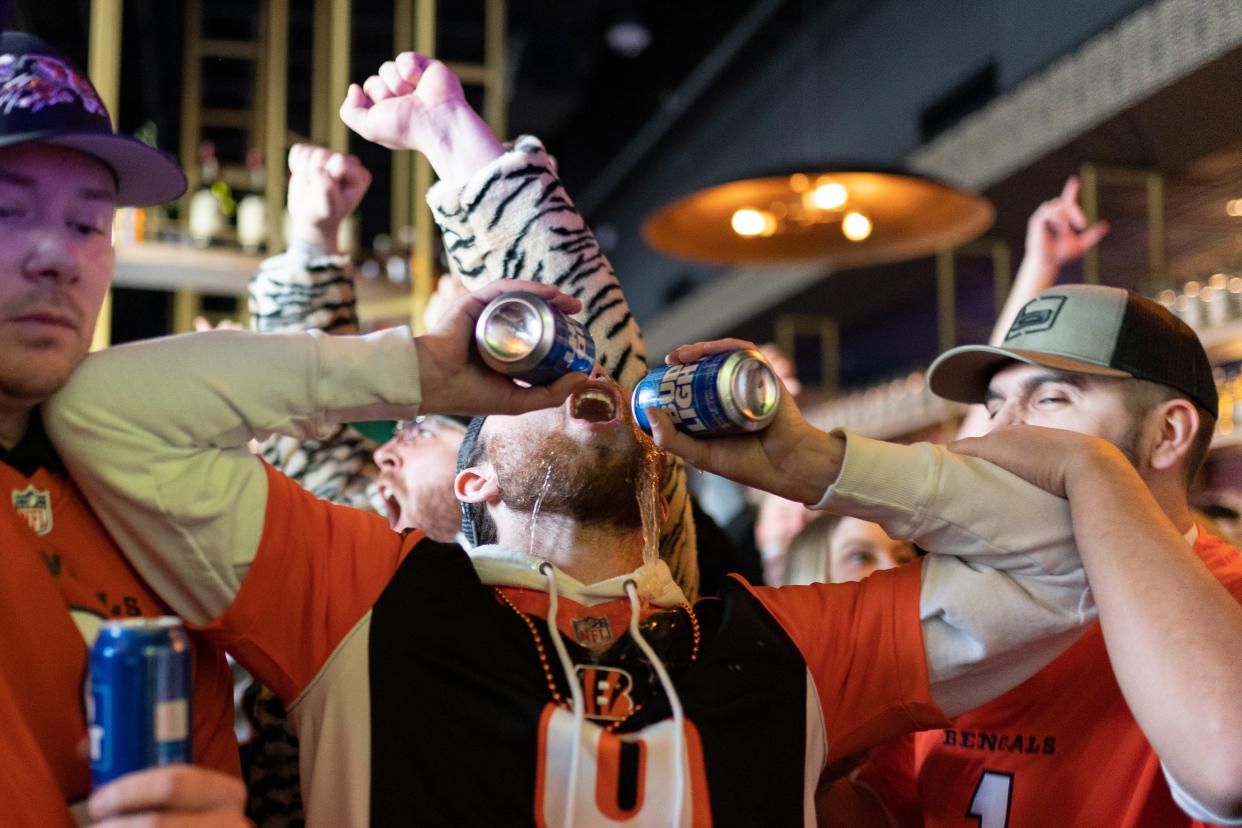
x,y
728,393
140,702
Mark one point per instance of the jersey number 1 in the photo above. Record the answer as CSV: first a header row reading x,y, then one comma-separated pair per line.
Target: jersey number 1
x,y
990,804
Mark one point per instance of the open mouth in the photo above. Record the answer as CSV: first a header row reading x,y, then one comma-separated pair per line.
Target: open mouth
x,y
594,404
392,506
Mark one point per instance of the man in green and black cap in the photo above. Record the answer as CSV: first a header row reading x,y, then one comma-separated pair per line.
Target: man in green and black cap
x,y
1102,396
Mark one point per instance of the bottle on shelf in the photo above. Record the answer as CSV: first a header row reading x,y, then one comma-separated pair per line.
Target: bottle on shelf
x,y
207,217
252,210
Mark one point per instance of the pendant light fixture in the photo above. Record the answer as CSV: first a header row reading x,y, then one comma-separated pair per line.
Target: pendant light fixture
x,y
843,217
838,215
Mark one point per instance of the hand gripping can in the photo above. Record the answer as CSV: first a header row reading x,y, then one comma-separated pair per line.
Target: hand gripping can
x,y
140,715
521,335
727,393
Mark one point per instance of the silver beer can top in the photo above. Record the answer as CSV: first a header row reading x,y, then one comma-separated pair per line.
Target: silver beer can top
x,y
753,391
513,329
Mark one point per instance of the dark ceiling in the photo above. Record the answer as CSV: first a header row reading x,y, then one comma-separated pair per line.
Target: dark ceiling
x,y
566,83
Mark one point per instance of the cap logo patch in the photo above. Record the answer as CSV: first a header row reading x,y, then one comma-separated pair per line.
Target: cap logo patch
x,y
32,82
1036,315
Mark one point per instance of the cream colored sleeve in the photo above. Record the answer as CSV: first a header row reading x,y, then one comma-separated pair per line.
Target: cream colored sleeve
x,y
1004,591
155,435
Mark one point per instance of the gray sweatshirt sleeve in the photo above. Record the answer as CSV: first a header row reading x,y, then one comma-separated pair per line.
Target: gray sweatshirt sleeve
x,y
1003,591
155,434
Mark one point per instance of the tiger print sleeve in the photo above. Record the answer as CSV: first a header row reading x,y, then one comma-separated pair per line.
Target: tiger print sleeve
x,y
304,289
514,220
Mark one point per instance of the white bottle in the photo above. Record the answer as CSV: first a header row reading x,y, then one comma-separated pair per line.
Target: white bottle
x,y
252,210
207,219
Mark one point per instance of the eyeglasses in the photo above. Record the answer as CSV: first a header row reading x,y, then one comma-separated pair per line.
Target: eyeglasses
x,y
408,431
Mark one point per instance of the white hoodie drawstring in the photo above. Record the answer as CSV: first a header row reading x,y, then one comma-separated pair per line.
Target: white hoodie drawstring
x,y
674,701
579,707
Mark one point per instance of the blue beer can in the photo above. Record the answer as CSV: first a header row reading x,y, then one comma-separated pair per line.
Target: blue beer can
x,y
727,393
140,710
521,335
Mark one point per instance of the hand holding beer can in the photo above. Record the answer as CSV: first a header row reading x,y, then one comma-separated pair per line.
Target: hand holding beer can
x,y
521,335
140,713
729,393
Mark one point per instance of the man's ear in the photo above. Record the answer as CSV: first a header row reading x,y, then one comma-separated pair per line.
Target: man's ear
x,y
477,484
1176,423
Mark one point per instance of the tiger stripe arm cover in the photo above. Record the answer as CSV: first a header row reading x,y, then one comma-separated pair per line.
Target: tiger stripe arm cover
x,y
514,220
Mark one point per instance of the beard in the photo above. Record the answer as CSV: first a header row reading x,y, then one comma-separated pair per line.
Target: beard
x,y
432,507
1129,442
590,484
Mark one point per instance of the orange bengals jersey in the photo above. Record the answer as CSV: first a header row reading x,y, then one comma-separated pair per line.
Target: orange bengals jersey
x,y
62,576
1060,749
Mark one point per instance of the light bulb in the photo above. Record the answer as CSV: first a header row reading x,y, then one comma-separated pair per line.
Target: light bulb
x,y
829,196
856,226
749,222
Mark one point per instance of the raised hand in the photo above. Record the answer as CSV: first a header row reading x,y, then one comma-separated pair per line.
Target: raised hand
x,y
416,103
790,458
455,380
324,187
1057,231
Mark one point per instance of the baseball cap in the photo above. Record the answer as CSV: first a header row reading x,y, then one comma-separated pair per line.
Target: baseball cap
x,y
1086,329
45,99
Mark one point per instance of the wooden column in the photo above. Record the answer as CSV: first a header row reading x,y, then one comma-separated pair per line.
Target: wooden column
x,y
423,261
402,204
338,71
104,69
275,117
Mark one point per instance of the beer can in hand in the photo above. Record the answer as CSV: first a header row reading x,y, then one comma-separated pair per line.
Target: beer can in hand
x,y
728,393
521,335
140,710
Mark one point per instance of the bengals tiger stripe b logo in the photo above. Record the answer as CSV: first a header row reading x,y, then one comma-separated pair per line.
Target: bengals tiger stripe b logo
x,y
606,692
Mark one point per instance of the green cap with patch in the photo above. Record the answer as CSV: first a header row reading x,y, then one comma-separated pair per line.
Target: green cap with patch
x,y
1086,329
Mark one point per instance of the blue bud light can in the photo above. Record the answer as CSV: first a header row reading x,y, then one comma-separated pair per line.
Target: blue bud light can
x,y
140,697
521,335
727,393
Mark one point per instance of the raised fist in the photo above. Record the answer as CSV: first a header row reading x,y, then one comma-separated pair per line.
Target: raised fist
x,y
416,103
324,188
392,107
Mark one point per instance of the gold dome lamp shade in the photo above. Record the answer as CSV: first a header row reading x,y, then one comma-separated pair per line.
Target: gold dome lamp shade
x,y
845,218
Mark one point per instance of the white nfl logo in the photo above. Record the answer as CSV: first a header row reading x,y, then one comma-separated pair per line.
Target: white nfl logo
x,y
36,507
